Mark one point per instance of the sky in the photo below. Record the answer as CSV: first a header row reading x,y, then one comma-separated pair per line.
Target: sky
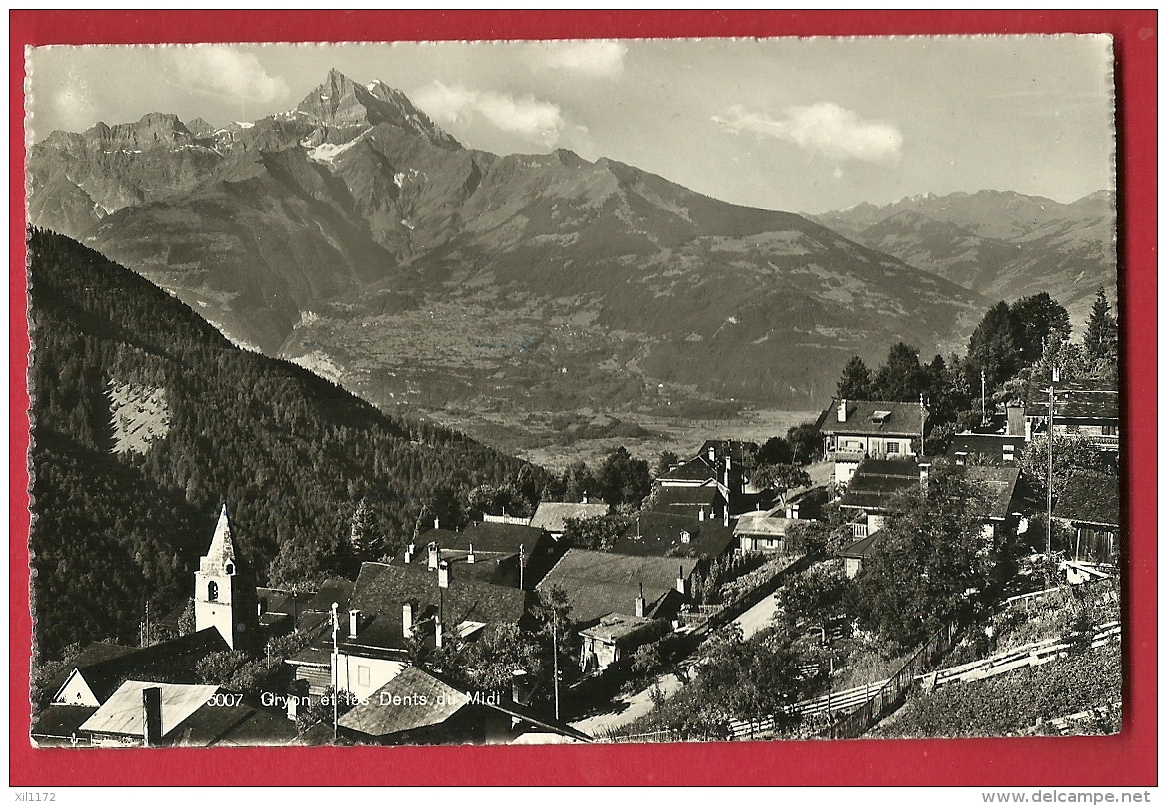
x,y
808,125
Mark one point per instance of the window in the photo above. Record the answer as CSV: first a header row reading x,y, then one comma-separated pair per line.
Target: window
x,y
363,676
212,591
230,569
893,447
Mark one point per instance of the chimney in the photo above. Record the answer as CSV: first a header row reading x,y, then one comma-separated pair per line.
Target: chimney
x,y
728,465
409,554
434,553
1015,420
793,512
437,523
261,606
470,555
725,516
924,469
701,514
407,619
685,536
842,413
585,496
152,716
712,455
640,603
354,623
443,574
681,579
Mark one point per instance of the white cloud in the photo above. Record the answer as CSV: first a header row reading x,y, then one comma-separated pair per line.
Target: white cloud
x,y
223,70
538,121
72,105
597,58
825,128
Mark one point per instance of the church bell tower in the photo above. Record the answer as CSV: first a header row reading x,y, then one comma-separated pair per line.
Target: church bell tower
x,y
225,591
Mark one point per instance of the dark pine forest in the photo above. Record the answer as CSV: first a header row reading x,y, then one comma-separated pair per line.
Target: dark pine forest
x,y
293,456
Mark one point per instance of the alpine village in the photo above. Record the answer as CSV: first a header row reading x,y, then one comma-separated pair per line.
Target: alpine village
x,y
778,480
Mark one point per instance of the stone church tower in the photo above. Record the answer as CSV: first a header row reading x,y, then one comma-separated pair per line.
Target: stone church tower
x,y
225,591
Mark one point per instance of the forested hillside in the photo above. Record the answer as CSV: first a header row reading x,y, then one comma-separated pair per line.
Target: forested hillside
x,y
291,454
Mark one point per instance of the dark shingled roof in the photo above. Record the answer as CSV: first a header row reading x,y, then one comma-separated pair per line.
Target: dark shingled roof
x,y
877,480
1090,498
660,536
1074,402
234,726
666,498
427,699
424,701
695,469
381,590
863,546
172,661
504,538
333,590
999,483
60,721
903,419
598,583
987,448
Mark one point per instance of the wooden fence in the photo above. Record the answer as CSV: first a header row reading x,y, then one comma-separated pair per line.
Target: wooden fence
x,y
892,692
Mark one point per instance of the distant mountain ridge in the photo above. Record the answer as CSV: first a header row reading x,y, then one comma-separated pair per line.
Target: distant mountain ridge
x,y
354,235
1001,244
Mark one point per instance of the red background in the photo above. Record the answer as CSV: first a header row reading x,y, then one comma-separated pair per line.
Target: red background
x,y
1128,759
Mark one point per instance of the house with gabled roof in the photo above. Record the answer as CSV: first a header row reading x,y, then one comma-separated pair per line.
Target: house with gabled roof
x,y
1090,506
854,430
154,714
393,608
423,706
870,496
666,534
99,670
552,516
598,583
1079,409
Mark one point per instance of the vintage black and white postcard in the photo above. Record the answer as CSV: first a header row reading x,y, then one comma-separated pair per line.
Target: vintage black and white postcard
x,y
577,391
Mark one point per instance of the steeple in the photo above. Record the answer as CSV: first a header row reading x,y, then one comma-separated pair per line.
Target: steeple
x,y
221,556
224,592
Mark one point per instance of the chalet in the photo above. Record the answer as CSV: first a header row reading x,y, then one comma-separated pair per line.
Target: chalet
x,y
513,555
390,608
102,668
854,430
599,583
870,497
765,530
1089,506
142,713
424,707
664,534
1000,450
1080,409
710,484
552,516
615,637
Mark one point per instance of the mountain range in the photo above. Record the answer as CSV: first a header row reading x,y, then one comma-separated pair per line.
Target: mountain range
x,y
355,236
1001,244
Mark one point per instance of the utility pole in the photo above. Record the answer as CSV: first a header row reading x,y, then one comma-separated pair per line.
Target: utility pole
x,y
555,659
984,415
335,671
923,417
1049,479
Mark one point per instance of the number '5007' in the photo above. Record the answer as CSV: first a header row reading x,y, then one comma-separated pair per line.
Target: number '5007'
x,y
225,700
